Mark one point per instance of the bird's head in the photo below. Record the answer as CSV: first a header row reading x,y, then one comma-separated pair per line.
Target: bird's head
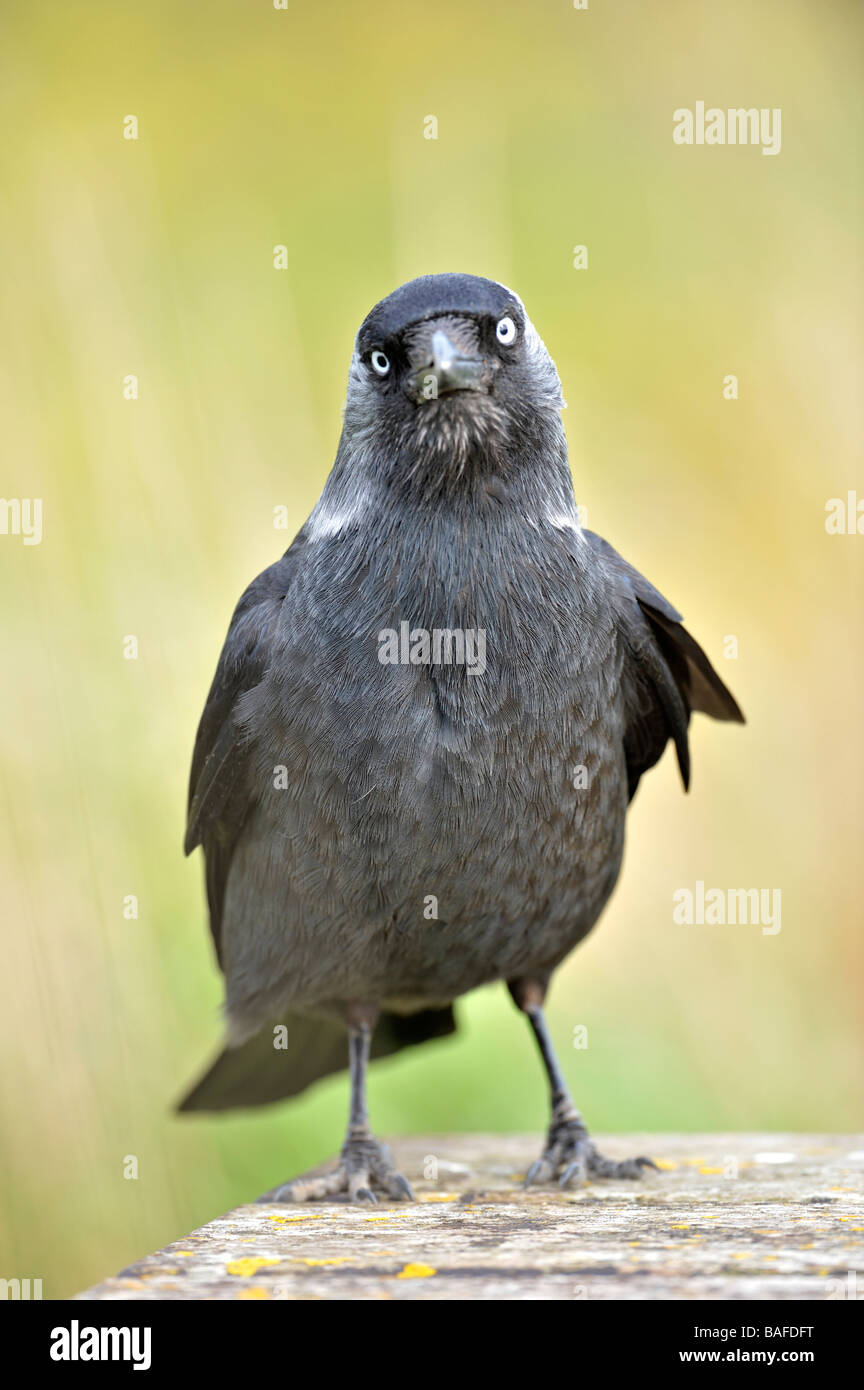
x,y
449,382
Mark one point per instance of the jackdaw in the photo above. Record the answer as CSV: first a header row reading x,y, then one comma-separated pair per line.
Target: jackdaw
x,y
389,821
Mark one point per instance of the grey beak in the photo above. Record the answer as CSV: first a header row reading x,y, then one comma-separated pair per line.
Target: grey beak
x,y
448,371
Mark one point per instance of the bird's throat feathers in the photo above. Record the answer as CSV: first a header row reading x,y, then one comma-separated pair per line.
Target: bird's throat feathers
x,y
375,489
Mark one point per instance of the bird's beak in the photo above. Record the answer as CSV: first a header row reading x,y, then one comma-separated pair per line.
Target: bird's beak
x,y
449,371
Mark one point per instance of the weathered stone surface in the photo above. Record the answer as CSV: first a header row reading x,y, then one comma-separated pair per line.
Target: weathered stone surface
x,y
728,1217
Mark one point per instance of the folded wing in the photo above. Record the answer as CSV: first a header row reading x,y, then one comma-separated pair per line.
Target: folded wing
x,y
219,791
666,674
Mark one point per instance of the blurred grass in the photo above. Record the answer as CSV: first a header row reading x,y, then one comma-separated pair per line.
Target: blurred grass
x,y
155,258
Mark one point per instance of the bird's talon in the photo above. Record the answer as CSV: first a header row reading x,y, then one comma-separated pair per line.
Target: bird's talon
x,y
364,1164
570,1156
537,1172
574,1169
400,1187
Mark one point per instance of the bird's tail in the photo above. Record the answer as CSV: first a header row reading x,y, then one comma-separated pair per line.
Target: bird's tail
x,y
259,1071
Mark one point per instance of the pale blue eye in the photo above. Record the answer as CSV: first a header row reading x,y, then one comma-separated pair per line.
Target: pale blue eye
x,y
505,330
380,362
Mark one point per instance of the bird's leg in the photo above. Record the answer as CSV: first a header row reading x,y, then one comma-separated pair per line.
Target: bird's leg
x,y
364,1163
570,1152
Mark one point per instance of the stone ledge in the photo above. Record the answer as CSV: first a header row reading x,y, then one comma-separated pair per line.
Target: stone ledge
x,y
730,1216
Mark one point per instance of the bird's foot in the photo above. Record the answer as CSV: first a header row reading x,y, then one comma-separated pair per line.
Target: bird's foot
x,y
571,1156
364,1164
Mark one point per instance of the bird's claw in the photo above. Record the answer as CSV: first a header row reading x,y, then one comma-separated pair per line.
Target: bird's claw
x,y
541,1170
362,1163
399,1187
578,1165
570,1155
623,1168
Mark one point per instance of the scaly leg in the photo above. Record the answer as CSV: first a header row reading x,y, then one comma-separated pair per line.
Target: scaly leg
x,y
570,1152
363,1162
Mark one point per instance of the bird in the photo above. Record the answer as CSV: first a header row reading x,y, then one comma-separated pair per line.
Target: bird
x,y
389,822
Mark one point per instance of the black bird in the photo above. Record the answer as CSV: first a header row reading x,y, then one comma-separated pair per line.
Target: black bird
x,y
412,772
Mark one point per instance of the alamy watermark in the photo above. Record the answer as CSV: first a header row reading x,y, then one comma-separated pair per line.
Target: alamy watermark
x,y
21,516
442,646
77,1343
717,907
18,1289
845,515
736,126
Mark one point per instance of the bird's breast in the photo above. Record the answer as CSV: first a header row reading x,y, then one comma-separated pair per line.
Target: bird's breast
x,y
454,790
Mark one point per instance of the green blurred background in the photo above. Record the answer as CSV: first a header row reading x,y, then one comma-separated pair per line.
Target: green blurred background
x,y
155,258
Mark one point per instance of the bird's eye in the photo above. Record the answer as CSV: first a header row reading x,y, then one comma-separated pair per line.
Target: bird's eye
x,y
505,330
380,362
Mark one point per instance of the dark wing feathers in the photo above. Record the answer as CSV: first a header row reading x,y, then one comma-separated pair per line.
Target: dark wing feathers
x,y
218,795
702,687
666,674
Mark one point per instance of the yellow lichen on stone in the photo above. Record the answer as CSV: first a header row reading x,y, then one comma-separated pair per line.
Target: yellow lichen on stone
x,y
248,1265
256,1293
307,1216
416,1271
334,1260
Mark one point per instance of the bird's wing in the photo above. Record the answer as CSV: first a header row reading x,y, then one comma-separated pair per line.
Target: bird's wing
x,y
666,674
219,796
